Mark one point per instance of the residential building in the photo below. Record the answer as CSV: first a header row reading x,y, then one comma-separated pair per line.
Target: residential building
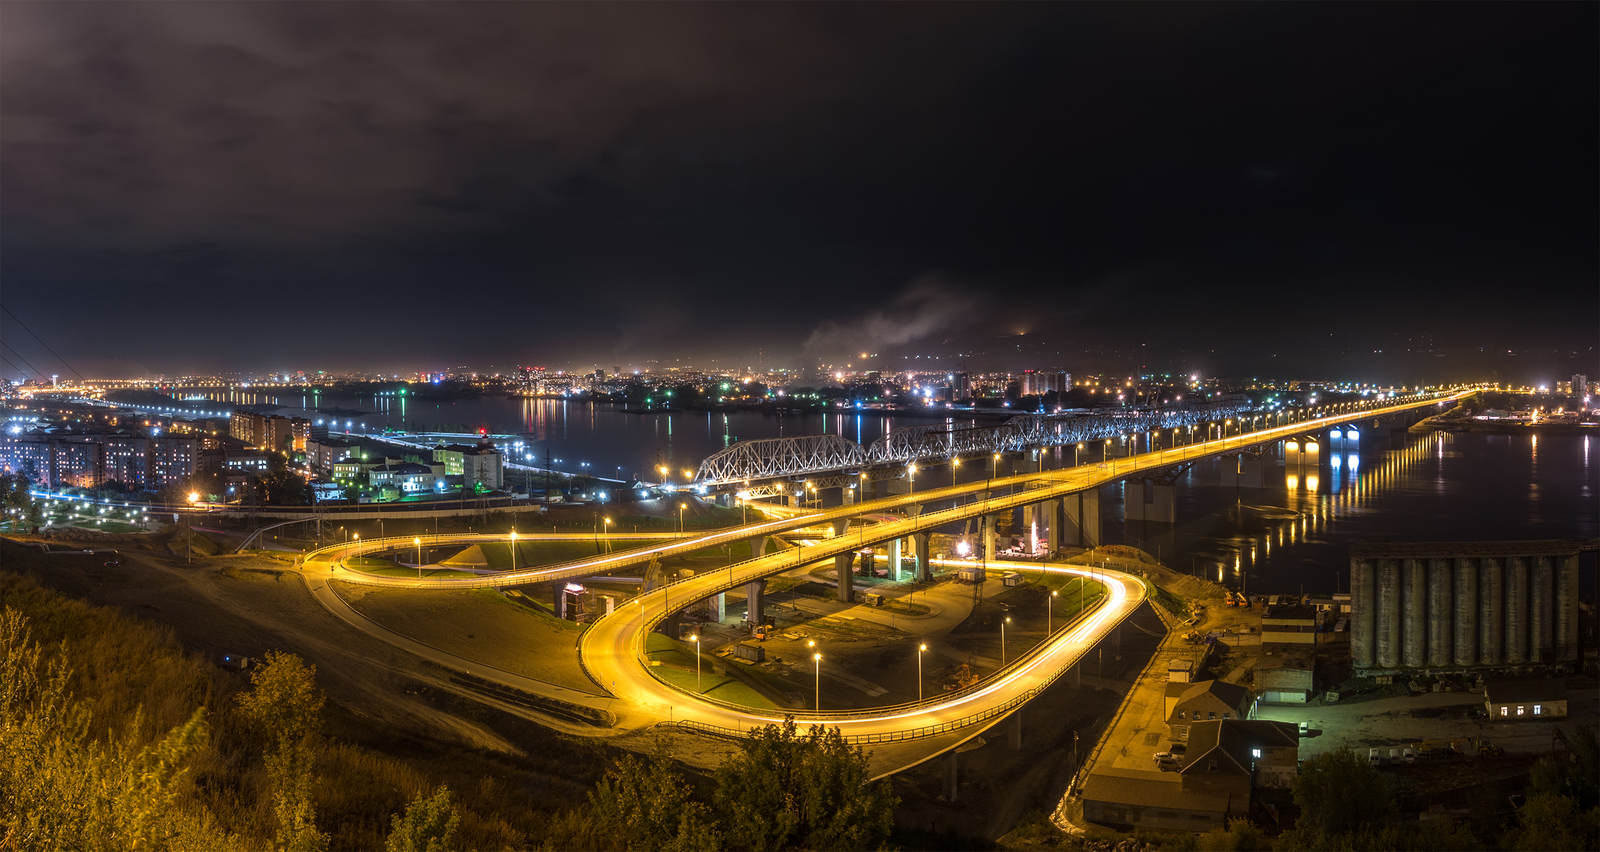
x,y
480,467
322,453
1525,700
1041,382
1234,757
1204,701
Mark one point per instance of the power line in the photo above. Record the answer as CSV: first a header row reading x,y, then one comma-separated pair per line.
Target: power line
x,y
91,341
41,342
23,360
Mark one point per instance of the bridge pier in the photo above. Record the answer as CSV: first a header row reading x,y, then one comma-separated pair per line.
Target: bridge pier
x,y
989,535
895,573
1081,513
1245,472
719,606
758,547
924,564
950,780
1052,518
1148,501
755,613
844,566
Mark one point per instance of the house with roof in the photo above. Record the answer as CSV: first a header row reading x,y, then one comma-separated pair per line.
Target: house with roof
x,y
1156,800
1203,701
1234,757
1523,700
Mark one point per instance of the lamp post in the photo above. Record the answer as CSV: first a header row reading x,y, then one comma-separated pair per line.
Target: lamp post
x,y
817,659
954,463
920,649
417,540
608,535
696,640
912,470
514,550
1003,640
1050,613
681,507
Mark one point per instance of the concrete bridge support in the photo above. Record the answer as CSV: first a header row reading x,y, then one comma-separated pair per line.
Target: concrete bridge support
x,y
1516,610
989,535
924,562
719,606
1081,515
1241,471
1466,615
1050,510
895,572
754,593
844,566
950,780
652,574
1148,501
758,547
1441,609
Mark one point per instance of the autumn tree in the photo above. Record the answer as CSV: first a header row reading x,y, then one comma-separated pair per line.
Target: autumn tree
x,y
285,704
646,805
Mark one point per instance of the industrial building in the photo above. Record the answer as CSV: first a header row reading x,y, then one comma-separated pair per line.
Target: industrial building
x,y
1460,605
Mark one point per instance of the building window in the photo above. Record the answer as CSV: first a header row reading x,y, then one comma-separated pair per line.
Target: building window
x,y
1505,711
1255,753
1538,709
1519,709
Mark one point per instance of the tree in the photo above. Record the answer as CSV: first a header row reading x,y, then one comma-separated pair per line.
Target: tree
x,y
1241,835
1549,822
1339,794
646,805
285,703
787,791
429,825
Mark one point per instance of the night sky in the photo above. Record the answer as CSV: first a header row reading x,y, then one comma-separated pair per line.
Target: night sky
x,y
1248,189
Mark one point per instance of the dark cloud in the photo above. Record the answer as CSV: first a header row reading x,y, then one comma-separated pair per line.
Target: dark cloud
x,y
636,181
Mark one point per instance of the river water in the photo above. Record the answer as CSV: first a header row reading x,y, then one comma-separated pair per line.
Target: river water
x,y
1293,531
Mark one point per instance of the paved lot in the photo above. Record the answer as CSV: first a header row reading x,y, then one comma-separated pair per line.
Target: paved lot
x,y
1387,721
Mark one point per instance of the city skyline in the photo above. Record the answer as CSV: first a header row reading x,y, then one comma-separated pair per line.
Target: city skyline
x,y
1225,190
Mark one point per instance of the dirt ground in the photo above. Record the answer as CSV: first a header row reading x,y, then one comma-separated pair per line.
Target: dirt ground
x,y
481,625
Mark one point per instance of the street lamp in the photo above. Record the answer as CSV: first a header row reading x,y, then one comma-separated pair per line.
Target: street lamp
x,y
1003,640
954,463
912,470
608,535
1050,613
514,549
696,640
920,649
681,507
817,658
417,540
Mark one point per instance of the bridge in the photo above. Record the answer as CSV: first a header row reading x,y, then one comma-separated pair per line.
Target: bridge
x,y
612,649
749,464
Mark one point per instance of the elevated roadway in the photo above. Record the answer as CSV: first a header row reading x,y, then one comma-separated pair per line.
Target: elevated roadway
x,y
612,650
1027,488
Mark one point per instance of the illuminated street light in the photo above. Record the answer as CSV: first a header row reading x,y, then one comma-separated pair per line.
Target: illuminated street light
x,y
696,640
681,507
817,658
513,550
417,540
1050,616
1003,640
920,649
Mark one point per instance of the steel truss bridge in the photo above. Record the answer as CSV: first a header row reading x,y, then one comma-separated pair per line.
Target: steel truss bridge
x,y
782,458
